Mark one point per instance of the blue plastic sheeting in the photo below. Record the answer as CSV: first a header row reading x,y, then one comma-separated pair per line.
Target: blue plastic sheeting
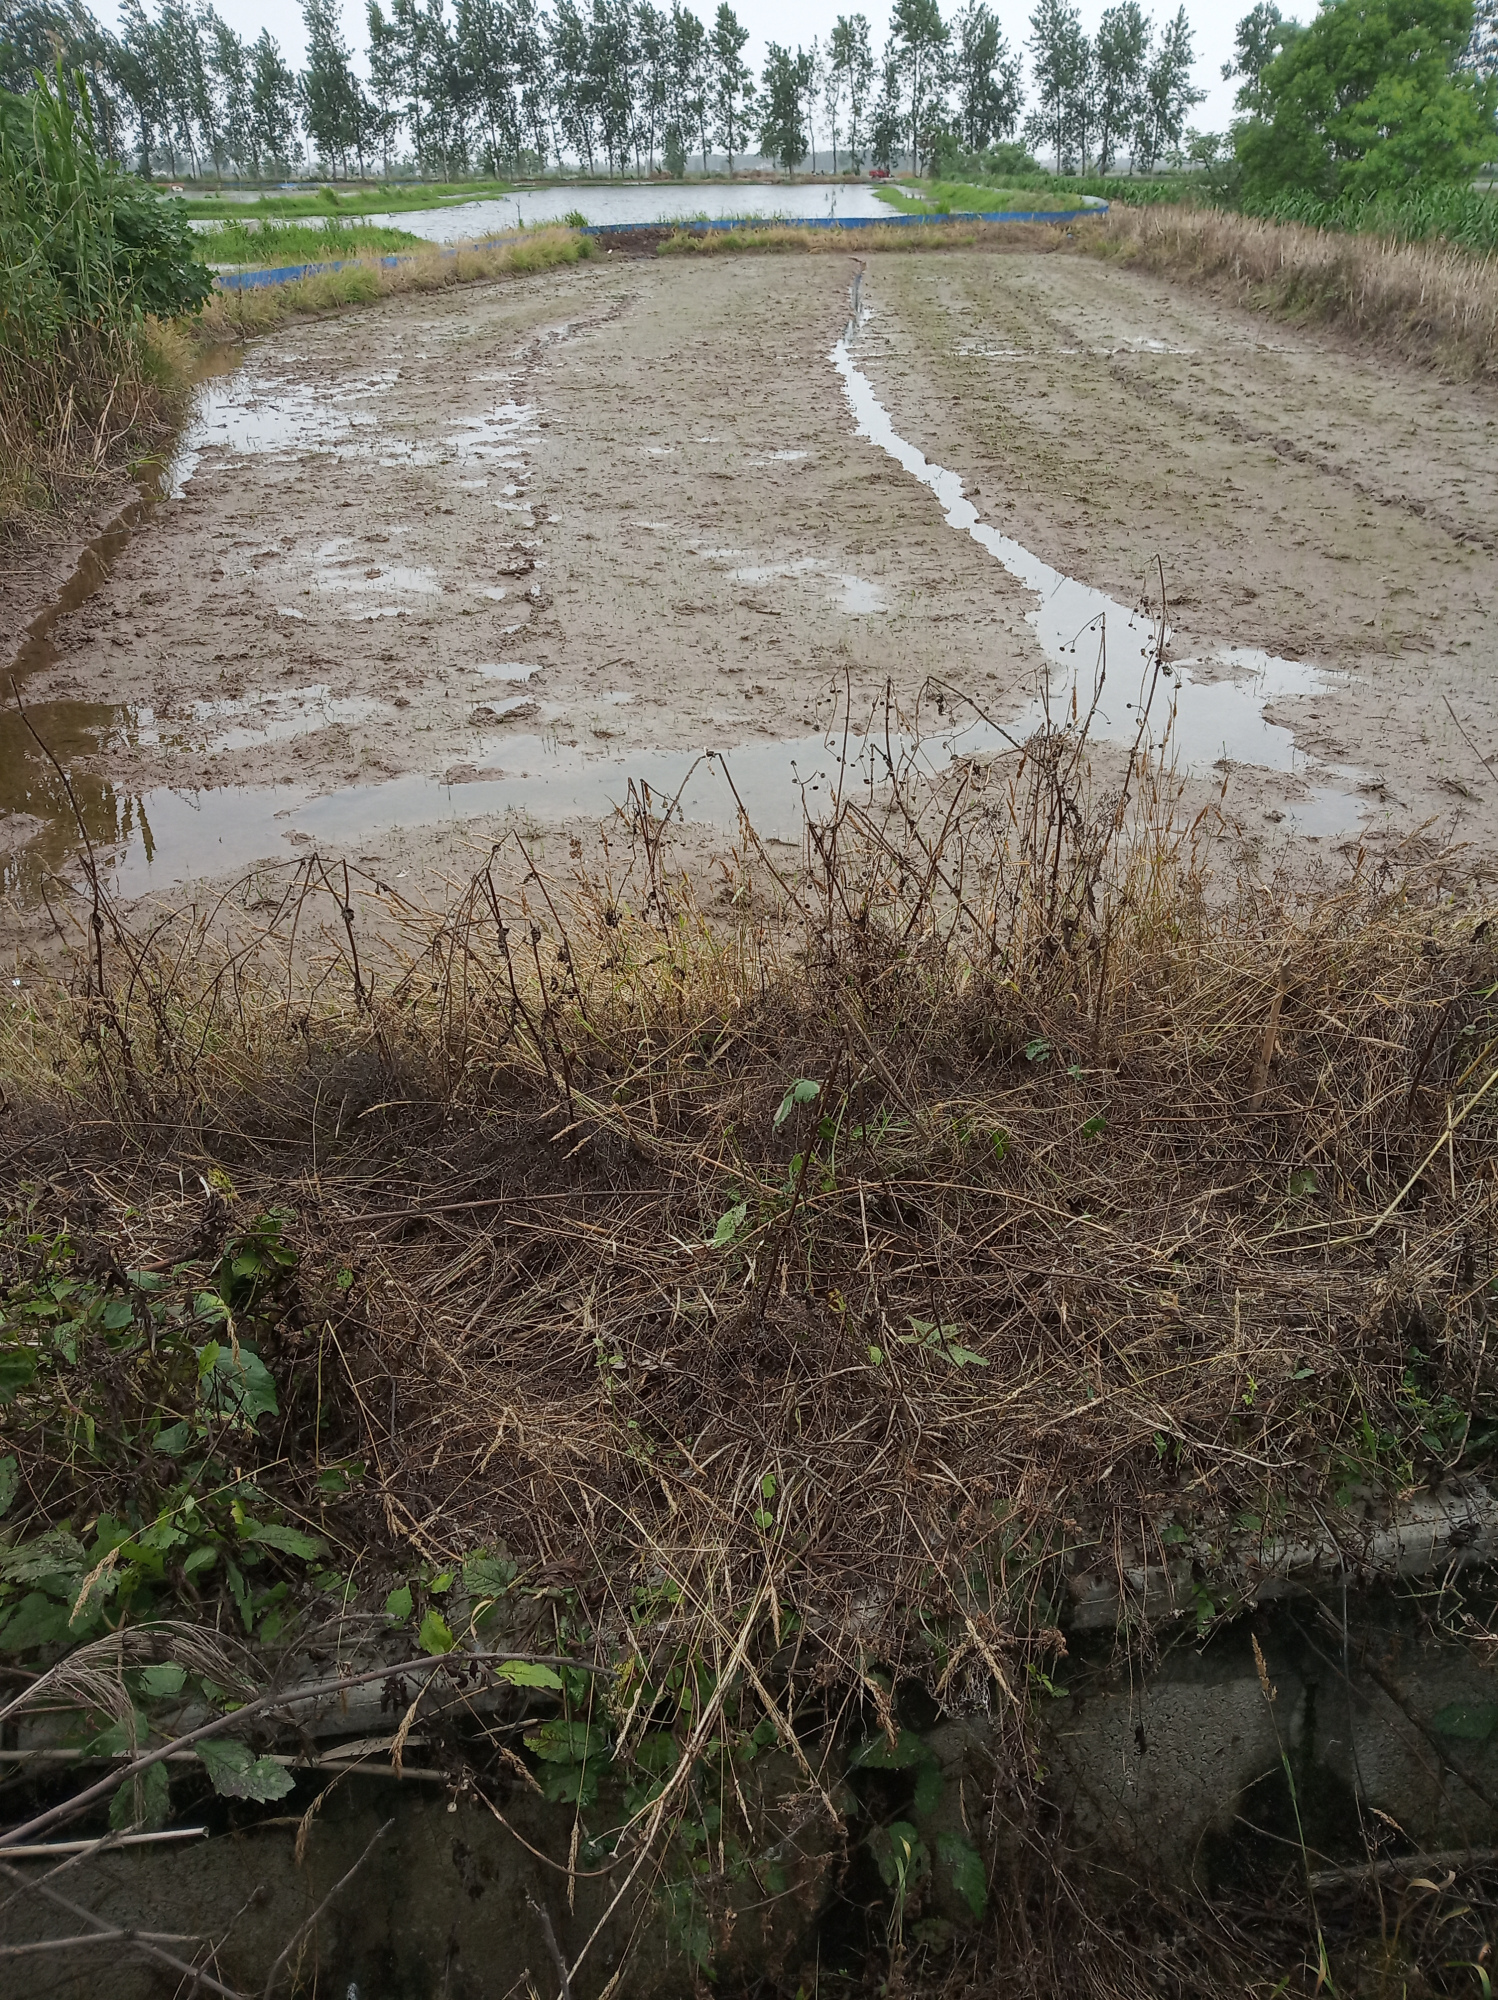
x,y
286,274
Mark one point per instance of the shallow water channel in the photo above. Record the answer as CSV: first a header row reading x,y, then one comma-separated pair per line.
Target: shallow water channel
x,y
1101,656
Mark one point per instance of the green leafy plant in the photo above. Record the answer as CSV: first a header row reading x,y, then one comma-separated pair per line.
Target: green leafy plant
x,y
935,1338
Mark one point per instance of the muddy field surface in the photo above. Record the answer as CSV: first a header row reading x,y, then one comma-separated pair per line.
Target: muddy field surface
x,y
452,567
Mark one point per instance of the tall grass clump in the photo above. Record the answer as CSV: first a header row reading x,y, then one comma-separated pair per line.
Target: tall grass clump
x,y
88,257
1428,301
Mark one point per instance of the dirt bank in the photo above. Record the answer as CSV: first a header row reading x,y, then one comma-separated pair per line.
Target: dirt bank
x,y
474,560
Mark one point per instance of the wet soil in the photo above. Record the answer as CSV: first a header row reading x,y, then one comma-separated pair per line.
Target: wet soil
x,y
450,565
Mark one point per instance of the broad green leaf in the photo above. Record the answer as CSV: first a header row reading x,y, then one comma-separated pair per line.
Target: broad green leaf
x,y
37,1621
202,1557
802,1091
877,1754
1094,1126
17,1371
529,1674
10,1481
929,1786
900,1853
238,1774
175,1439
487,1576
434,1634
729,1225
164,1679
398,1603
1469,1721
237,1389
965,1865
55,1553
155,1802
290,1541
1303,1181
567,1741
239,1590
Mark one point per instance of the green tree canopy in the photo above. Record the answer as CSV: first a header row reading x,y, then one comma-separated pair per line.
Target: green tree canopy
x,y
1373,95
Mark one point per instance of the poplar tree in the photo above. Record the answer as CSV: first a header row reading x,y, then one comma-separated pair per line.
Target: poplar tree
x,y
731,86
1168,94
273,105
1058,56
330,93
887,122
782,134
1120,52
385,74
986,77
919,38
687,73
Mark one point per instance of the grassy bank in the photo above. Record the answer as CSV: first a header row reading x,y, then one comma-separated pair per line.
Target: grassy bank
x,y
1429,302
784,237
238,315
947,197
394,198
1140,1195
88,259
270,243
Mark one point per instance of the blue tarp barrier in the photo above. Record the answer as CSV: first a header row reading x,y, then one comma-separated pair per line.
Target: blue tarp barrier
x,y
286,274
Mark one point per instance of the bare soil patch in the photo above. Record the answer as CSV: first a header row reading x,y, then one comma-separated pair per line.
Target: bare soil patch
x,y
508,546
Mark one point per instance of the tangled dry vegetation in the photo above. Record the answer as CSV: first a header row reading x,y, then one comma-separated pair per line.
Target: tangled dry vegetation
x,y
841,1248
1432,301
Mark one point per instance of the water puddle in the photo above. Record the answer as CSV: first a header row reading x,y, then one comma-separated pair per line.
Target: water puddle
x,y
855,595
1102,654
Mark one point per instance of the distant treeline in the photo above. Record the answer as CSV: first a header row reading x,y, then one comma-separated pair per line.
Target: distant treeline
x,y
505,86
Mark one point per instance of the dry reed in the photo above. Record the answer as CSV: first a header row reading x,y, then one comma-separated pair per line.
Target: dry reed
x,y
1430,302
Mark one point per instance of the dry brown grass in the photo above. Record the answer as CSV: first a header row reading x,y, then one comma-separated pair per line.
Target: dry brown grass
x,y
1125,1194
88,414
856,242
1428,302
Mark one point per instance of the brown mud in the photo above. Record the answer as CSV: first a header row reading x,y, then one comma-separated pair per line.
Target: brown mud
x,y
459,563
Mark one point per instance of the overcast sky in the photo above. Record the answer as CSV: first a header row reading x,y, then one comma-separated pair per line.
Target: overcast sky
x,y
794,21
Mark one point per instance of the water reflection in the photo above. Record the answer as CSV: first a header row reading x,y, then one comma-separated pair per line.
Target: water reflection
x,y
1103,654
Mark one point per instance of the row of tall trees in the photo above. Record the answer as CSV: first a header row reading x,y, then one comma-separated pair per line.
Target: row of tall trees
x,y
495,85
1126,89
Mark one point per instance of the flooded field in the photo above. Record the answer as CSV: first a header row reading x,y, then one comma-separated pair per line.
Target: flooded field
x,y
451,566
529,208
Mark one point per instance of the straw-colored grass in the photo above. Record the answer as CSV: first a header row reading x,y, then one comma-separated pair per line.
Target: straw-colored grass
x,y
857,242
803,1288
233,315
1431,302
1120,1196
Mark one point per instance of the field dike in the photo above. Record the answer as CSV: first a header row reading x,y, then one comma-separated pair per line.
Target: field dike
x,y
1432,302
922,1409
